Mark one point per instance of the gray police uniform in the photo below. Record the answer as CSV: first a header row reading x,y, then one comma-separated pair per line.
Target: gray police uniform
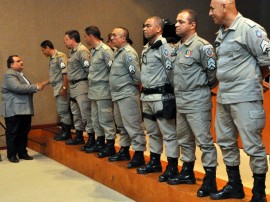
x,y
78,68
156,70
124,81
58,64
241,50
99,91
194,75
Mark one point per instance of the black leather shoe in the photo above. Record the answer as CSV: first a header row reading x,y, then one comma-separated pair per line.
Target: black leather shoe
x,y
137,160
25,157
122,155
13,159
150,168
227,192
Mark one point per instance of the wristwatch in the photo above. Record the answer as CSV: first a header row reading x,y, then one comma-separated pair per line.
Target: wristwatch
x,y
64,87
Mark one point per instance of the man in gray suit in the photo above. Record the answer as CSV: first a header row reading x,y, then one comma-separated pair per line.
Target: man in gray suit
x,y
17,108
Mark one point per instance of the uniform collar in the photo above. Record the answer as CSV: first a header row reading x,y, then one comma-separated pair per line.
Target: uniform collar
x,y
158,38
54,55
235,23
120,49
76,47
98,46
191,39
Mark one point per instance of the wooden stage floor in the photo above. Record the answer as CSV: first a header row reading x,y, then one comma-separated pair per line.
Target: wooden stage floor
x,y
115,174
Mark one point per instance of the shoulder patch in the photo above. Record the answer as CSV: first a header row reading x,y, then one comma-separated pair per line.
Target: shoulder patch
x,y
85,55
211,65
166,52
208,49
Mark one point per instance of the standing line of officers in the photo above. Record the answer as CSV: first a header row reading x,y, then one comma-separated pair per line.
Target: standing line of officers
x,y
104,87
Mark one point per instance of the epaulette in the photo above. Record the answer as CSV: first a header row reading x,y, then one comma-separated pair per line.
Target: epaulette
x,y
250,22
203,41
127,49
158,43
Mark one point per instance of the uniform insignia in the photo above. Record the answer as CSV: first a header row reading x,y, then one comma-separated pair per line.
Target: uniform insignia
x,y
174,52
258,33
131,69
86,63
107,56
264,45
129,58
211,65
62,65
85,55
188,53
110,63
166,52
208,49
168,65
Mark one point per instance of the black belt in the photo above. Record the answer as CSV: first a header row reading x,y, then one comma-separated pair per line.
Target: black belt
x,y
167,88
76,81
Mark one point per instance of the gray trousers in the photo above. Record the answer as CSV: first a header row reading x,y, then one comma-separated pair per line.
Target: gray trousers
x,y
81,110
247,119
128,118
194,128
160,130
102,118
62,106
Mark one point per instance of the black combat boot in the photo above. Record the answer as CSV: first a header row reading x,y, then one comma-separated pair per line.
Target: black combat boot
x,y
77,140
137,160
234,187
90,142
209,184
258,189
65,133
98,146
122,155
186,175
108,150
171,170
153,166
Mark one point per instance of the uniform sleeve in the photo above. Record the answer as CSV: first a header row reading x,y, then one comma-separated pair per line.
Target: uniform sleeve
x,y
84,57
14,85
63,63
108,57
258,44
132,65
167,58
208,62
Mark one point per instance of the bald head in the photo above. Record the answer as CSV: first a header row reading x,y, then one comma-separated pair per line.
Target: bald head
x,y
223,12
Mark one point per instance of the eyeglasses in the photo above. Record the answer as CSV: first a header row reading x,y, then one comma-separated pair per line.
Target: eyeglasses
x,y
144,58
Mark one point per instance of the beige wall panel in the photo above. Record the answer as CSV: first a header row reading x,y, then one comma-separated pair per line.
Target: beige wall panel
x,y
25,24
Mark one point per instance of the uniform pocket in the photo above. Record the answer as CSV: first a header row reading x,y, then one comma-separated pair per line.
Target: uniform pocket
x,y
258,117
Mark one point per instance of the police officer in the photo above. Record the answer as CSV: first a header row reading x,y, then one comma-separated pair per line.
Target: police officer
x,y
194,76
157,99
78,68
99,93
242,49
124,81
58,79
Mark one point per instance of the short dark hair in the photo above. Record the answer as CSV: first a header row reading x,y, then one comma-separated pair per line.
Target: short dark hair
x,y
192,15
47,43
10,60
93,30
74,34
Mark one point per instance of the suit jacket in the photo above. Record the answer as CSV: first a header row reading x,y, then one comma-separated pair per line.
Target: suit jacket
x,y
17,95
